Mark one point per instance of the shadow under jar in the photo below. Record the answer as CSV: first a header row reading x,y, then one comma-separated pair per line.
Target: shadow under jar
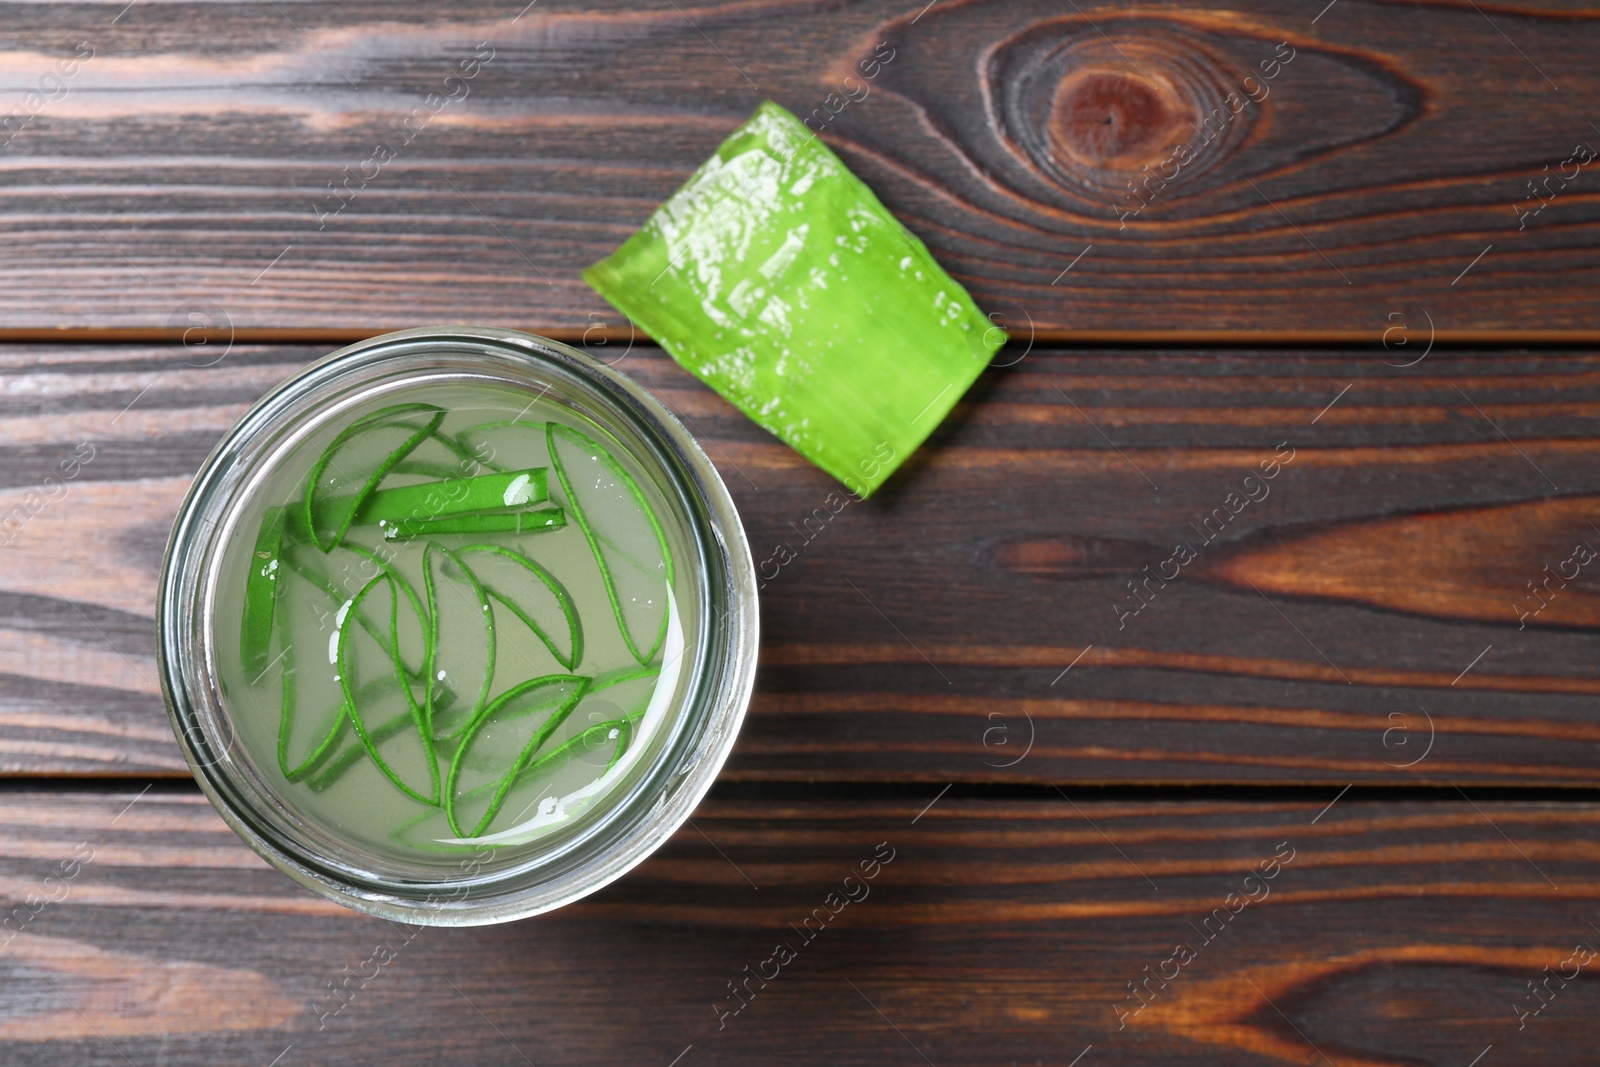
x,y
457,626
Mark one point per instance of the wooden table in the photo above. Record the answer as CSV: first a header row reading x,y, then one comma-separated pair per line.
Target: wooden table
x,y
1324,793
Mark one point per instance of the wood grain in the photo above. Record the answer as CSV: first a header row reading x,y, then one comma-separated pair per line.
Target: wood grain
x,y
1388,934
1260,169
1357,623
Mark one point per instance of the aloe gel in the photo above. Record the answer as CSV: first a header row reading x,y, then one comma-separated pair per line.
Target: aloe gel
x,y
464,619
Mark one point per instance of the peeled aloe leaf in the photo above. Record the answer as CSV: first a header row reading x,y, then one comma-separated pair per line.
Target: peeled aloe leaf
x,y
776,277
461,642
385,693
623,534
531,594
501,742
332,495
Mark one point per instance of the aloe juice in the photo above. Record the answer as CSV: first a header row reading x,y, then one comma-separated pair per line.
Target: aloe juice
x,y
456,616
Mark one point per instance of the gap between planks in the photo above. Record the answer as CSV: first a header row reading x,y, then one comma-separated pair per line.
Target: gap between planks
x,y
86,335
909,791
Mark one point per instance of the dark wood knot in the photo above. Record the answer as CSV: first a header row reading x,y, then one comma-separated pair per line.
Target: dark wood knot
x,y
1101,109
1110,118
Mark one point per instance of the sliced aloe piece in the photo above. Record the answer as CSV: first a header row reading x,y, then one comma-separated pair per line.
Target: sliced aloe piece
x,y
261,595
506,445
532,594
598,734
599,746
347,749
462,643
312,705
458,496
488,757
622,531
617,699
448,496
340,574
501,742
534,793
334,494
364,664
602,723
530,520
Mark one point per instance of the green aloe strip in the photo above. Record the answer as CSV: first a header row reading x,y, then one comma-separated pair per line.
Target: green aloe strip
x,y
486,492
449,495
636,573
261,594
513,716
530,520
464,670
328,512
529,592
351,676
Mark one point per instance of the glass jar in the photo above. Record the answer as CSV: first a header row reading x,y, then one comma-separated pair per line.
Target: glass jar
x,y
530,852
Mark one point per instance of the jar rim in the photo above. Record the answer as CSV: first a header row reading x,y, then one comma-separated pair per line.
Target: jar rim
x,y
675,779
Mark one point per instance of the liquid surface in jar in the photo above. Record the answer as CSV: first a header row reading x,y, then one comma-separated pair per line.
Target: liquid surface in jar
x,y
455,618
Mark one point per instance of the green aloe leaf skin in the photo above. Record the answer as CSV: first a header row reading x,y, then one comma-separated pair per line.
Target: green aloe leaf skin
x,y
519,721
602,744
261,594
778,278
407,759
339,575
312,700
528,520
445,496
332,495
631,552
461,644
532,595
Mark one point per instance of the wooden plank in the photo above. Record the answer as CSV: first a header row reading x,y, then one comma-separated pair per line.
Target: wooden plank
x,y
1358,622
996,932
1262,169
